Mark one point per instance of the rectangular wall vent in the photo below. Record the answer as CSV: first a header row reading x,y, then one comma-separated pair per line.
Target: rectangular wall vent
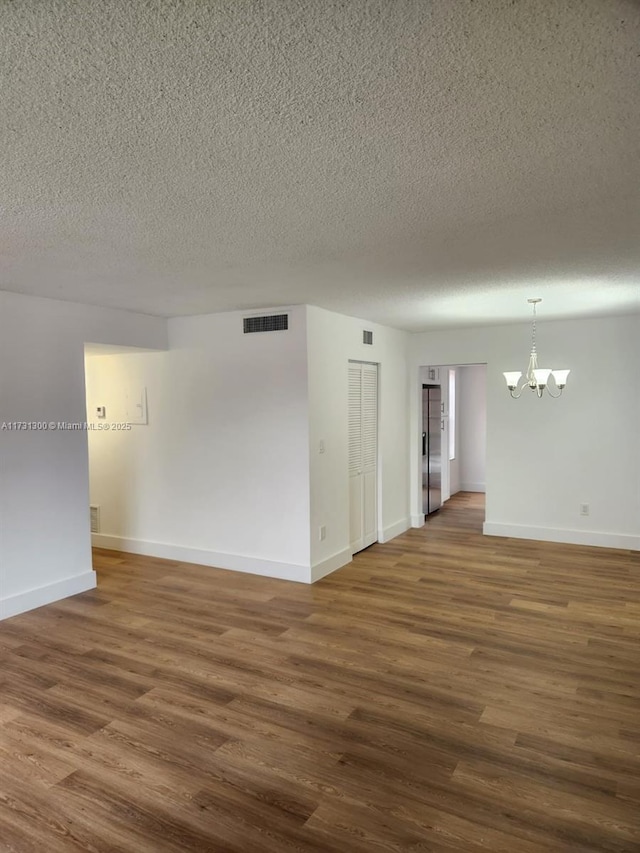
x,y
367,337
270,323
94,515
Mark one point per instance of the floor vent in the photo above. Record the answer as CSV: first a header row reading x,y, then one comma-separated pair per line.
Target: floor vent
x,y
94,515
269,323
367,337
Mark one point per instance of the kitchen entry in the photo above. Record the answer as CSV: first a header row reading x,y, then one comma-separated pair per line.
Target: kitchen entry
x,y
453,433
432,432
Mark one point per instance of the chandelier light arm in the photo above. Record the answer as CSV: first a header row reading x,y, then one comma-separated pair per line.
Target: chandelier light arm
x,y
559,394
519,394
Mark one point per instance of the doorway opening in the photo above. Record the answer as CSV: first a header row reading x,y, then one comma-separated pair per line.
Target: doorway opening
x,y
117,438
432,448
453,459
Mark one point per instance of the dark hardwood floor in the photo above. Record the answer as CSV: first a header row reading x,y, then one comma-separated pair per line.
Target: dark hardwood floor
x,y
445,692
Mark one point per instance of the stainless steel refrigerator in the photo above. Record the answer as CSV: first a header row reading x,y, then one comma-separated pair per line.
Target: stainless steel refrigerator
x,y
431,448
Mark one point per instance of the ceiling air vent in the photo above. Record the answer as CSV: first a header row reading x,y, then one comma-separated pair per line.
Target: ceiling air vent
x,y
367,337
94,514
270,323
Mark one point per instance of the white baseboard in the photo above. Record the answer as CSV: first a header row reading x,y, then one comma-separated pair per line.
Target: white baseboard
x,y
472,487
331,564
570,537
417,520
394,530
215,559
21,602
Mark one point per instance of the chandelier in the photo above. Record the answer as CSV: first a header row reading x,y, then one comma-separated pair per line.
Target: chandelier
x,y
536,378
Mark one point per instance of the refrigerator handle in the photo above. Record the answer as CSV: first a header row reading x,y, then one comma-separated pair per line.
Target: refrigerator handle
x,y
424,444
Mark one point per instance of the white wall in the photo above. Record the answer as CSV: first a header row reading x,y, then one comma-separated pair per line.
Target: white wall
x,y
333,340
44,525
227,472
220,475
471,393
545,457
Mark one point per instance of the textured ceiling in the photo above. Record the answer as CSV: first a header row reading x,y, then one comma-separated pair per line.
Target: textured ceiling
x,y
416,163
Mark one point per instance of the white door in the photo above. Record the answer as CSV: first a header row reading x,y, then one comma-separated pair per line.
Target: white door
x,y
363,454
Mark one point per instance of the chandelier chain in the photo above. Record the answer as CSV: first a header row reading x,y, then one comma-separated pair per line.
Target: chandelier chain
x,y
533,331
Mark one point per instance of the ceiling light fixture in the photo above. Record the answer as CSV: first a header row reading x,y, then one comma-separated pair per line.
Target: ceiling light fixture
x,y
536,377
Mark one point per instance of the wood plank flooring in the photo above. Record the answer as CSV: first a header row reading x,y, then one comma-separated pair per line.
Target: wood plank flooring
x,y
446,692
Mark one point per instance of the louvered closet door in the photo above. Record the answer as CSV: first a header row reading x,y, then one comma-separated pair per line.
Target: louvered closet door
x,y
363,454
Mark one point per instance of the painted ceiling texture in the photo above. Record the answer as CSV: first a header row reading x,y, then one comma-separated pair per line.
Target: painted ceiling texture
x,y
419,164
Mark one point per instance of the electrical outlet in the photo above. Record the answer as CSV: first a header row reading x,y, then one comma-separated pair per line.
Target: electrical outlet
x,y
584,509
322,532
